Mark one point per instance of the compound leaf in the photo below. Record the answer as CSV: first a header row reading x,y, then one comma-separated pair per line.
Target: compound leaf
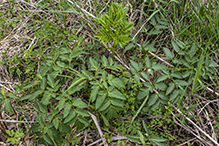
x,y
94,93
82,112
46,98
117,82
170,88
117,94
152,99
100,100
117,102
70,116
34,95
80,103
67,109
56,123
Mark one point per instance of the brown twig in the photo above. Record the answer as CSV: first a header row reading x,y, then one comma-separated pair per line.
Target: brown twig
x,y
202,131
187,142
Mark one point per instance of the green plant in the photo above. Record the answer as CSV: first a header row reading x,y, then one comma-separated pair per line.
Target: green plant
x,y
64,78
49,36
7,102
100,88
126,127
114,26
108,136
7,25
102,91
14,137
72,139
49,91
121,143
130,92
148,138
157,140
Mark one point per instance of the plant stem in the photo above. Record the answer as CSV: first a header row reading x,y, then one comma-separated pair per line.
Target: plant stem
x,y
113,50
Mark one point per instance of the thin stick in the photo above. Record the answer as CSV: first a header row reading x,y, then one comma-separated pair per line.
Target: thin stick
x,y
3,129
99,140
8,82
215,142
3,122
6,87
206,105
98,128
82,9
13,121
187,142
157,57
187,128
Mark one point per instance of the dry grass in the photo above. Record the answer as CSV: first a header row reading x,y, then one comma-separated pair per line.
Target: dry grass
x,y
20,38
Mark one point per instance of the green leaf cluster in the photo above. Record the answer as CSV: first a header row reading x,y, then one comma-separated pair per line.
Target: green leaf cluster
x,y
14,136
114,25
71,82
50,94
105,94
98,83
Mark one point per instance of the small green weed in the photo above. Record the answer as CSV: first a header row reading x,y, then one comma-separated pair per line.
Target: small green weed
x,y
73,140
126,126
15,137
114,27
